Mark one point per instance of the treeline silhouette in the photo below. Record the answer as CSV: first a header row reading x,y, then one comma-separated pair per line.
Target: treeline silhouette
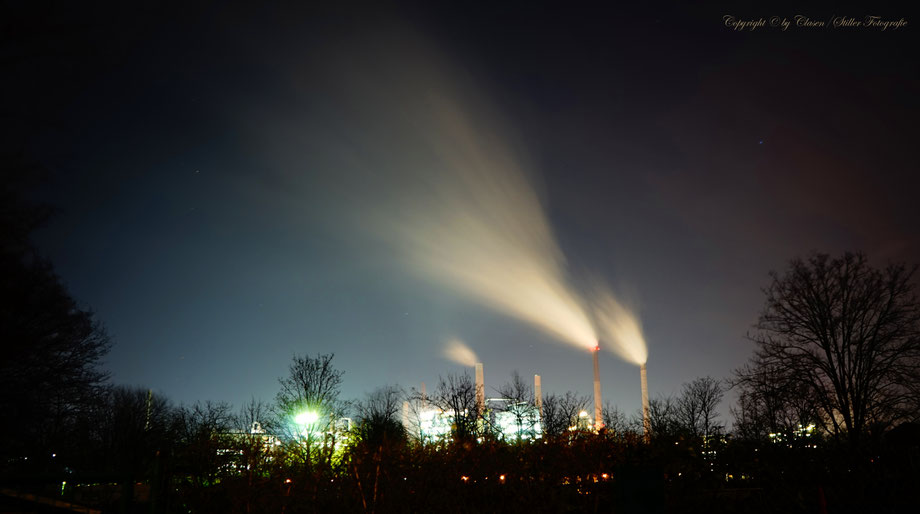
x,y
826,421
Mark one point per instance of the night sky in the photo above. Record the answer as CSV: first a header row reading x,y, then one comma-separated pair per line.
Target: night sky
x,y
231,182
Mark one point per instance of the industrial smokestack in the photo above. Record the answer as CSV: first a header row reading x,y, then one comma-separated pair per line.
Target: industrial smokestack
x,y
598,413
646,422
538,395
480,390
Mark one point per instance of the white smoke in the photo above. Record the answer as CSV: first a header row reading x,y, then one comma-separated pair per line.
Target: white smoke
x,y
433,174
458,351
619,327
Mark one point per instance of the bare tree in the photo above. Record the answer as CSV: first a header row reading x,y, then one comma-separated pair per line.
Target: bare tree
x,y
849,337
456,396
256,432
518,406
771,401
134,427
662,416
379,416
696,407
615,421
52,345
379,435
562,412
312,385
201,432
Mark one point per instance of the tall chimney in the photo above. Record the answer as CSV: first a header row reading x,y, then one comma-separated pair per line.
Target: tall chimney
x,y
538,395
480,390
646,421
598,412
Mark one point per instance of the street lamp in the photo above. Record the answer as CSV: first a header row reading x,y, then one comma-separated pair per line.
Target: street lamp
x,y
306,418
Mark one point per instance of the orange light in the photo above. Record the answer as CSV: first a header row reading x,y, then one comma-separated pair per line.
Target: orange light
x,y
464,478
501,477
287,480
604,476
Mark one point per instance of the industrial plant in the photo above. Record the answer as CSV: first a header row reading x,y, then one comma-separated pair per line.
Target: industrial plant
x,y
509,419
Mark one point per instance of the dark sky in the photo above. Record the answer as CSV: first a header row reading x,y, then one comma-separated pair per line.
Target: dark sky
x,y
212,165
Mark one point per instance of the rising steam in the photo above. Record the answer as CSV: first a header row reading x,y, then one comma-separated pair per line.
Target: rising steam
x,y
407,164
457,351
430,172
619,327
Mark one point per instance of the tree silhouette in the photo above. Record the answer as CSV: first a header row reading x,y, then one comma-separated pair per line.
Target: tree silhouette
x,y
844,335
51,345
135,426
519,405
771,401
456,396
662,413
561,412
379,441
696,407
378,421
312,384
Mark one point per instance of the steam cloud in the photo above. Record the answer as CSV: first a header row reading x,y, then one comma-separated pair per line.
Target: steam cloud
x,y
619,327
409,157
433,175
457,351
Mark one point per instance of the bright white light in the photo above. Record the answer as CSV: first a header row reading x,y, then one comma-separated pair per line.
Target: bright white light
x,y
306,418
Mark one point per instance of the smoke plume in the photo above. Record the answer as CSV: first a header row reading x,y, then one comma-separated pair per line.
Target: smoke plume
x,y
458,351
426,168
619,327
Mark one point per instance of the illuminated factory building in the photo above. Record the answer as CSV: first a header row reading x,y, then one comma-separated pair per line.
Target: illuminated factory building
x,y
509,422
